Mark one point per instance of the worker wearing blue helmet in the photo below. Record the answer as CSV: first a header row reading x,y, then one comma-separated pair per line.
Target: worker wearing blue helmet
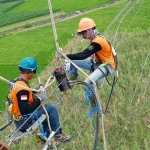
x,y
25,102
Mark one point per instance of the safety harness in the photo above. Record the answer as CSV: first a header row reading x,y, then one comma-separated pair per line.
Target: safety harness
x,y
104,64
16,117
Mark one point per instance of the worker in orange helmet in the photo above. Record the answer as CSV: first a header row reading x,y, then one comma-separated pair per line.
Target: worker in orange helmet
x,y
97,53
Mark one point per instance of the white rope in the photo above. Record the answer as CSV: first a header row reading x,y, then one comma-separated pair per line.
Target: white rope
x,y
47,117
145,88
124,8
47,85
40,90
59,50
57,46
103,129
122,20
53,24
117,45
129,25
97,96
81,72
55,33
140,77
27,88
63,122
13,135
59,59
17,85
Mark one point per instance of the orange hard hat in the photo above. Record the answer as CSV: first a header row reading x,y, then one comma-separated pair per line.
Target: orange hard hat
x,y
86,23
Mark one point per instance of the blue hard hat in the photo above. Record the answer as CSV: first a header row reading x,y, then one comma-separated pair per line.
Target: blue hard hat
x,y
28,63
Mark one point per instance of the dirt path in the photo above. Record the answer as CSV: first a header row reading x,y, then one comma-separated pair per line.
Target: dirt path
x,y
27,25
62,16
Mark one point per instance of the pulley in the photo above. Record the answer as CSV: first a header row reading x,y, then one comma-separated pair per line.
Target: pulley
x,y
62,80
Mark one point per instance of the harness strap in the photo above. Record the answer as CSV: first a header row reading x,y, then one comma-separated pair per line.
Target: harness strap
x,y
102,65
114,52
105,63
21,79
16,117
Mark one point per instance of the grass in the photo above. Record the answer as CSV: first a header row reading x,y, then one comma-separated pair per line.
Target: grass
x,y
128,112
57,4
4,7
39,42
23,23
16,11
10,18
128,117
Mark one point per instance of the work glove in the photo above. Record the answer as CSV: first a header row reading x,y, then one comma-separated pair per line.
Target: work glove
x,y
39,86
42,96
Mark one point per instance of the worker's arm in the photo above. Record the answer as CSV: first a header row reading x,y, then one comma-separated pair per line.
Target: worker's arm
x,y
25,108
90,50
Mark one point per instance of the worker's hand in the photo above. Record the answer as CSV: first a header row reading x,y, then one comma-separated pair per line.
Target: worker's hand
x,y
59,53
42,96
63,56
39,86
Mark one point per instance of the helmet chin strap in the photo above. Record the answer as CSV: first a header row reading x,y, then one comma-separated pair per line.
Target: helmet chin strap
x,y
91,33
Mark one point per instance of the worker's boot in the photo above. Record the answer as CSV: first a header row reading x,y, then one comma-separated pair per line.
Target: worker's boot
x,y
92,99
72,76
63,137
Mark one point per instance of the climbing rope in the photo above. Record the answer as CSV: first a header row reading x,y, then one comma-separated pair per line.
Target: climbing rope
x,y
131,21
143,67
58,56
143,95
122,10
122,20
12,136
47,117
57,46
127,12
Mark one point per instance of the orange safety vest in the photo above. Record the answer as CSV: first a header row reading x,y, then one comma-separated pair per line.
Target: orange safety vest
x,y
14,91
105,53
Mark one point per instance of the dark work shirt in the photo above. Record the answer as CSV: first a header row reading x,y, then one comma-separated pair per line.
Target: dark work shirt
x,y
24,107
90,50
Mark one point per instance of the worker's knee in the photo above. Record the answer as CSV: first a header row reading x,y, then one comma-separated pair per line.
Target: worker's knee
x,y
51,107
